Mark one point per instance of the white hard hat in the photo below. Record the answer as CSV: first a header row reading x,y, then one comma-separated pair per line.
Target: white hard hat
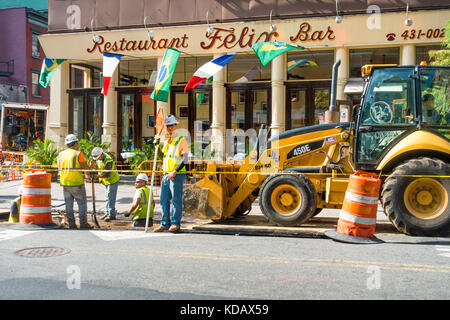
x,y
96,153
170,119
142,177
20,190
70,138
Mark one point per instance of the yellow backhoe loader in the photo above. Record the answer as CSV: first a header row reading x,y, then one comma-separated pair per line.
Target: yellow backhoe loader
x,y
393,132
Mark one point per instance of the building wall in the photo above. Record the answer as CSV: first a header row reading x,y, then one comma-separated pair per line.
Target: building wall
x,y
13,44
35,64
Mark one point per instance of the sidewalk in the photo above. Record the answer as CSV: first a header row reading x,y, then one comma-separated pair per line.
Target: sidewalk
x,y
255,222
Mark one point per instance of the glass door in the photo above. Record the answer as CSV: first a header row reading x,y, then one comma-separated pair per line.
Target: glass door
x,y
180,108
297,101
148,117
78,116
238,114
261,113
95,102
127,113
321,104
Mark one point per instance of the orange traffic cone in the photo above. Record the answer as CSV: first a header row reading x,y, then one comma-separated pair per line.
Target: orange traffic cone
x,y
358,216
36,206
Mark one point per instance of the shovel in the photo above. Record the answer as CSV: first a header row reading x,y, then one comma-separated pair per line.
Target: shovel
x,y
94,215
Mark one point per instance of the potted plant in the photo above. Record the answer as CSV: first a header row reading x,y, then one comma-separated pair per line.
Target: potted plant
x,y
45,154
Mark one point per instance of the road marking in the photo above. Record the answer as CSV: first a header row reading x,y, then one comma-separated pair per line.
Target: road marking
x,y
444,248
11,234
113,235
278,260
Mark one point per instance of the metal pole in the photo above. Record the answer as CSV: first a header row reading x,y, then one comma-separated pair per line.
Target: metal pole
x,y
151,187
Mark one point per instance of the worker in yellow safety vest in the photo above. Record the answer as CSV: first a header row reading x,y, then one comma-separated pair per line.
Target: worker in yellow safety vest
x,y
71,164
141,202
176,151
14,210
109,177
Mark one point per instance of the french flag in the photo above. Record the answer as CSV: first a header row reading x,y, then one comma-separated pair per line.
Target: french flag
x,y
110,62
207,70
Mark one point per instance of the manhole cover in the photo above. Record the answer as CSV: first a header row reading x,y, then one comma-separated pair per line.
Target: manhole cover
x,y
42,252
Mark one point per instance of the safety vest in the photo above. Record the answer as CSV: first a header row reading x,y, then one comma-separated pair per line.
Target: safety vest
x,y
14,218
141,211
172,156
68,161
114,176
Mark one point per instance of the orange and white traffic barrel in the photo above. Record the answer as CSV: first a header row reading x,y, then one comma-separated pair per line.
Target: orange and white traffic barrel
x,y
36,207
358,216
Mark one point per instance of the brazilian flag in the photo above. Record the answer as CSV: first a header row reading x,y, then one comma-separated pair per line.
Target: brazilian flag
x,y
267,51
48,68
165,73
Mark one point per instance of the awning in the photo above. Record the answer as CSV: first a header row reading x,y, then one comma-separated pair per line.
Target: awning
x,y
25,106
354,87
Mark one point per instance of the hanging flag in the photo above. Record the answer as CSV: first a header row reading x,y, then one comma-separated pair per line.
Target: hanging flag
x,y
110,62
301,63
165,73
208,70
48,68
267,51
250,75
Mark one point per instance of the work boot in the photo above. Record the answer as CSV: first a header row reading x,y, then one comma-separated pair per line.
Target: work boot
x,y
109,218
71,225
159,229
174,228
141,222
104,216
85,225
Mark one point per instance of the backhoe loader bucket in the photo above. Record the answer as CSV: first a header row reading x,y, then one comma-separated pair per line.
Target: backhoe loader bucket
x,y
204,199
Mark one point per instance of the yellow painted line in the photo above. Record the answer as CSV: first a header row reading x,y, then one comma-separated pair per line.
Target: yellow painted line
x,y
279,260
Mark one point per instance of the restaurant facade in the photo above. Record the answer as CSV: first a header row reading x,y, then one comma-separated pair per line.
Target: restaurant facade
x,y
242,96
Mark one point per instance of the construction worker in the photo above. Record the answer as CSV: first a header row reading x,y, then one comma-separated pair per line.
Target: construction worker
x,y
140,204
72,162
176,151
15,207
109,176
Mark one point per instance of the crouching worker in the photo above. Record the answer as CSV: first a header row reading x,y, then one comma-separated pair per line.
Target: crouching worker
x,y
141,202
15,208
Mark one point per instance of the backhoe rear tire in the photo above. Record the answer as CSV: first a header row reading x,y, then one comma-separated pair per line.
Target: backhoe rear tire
x,y
288,199
418,205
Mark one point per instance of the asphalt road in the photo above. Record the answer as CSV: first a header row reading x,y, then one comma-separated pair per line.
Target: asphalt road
x,y
134,265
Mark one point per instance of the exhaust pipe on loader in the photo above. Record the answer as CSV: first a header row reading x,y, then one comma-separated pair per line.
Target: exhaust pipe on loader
x,y
332,115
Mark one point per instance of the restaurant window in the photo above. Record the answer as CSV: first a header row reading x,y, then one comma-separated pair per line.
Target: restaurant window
x,y
36,87
138,73
186,67
247,67
361,57
308,65
84,76
423,53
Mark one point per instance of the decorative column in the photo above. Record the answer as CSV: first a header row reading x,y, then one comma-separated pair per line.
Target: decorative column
x,y
58,112
110,114
279,75
218,125
408,54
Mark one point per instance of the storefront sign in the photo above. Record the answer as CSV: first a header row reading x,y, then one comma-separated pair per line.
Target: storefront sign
x,y
313,33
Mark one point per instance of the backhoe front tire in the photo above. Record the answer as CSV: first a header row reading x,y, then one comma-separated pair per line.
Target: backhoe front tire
x,y
288,199
418,205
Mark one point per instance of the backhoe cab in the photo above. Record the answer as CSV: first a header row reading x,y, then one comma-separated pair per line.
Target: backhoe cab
x,y
401,131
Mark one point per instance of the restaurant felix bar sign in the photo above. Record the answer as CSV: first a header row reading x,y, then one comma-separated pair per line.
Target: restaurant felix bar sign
x,y
220,38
